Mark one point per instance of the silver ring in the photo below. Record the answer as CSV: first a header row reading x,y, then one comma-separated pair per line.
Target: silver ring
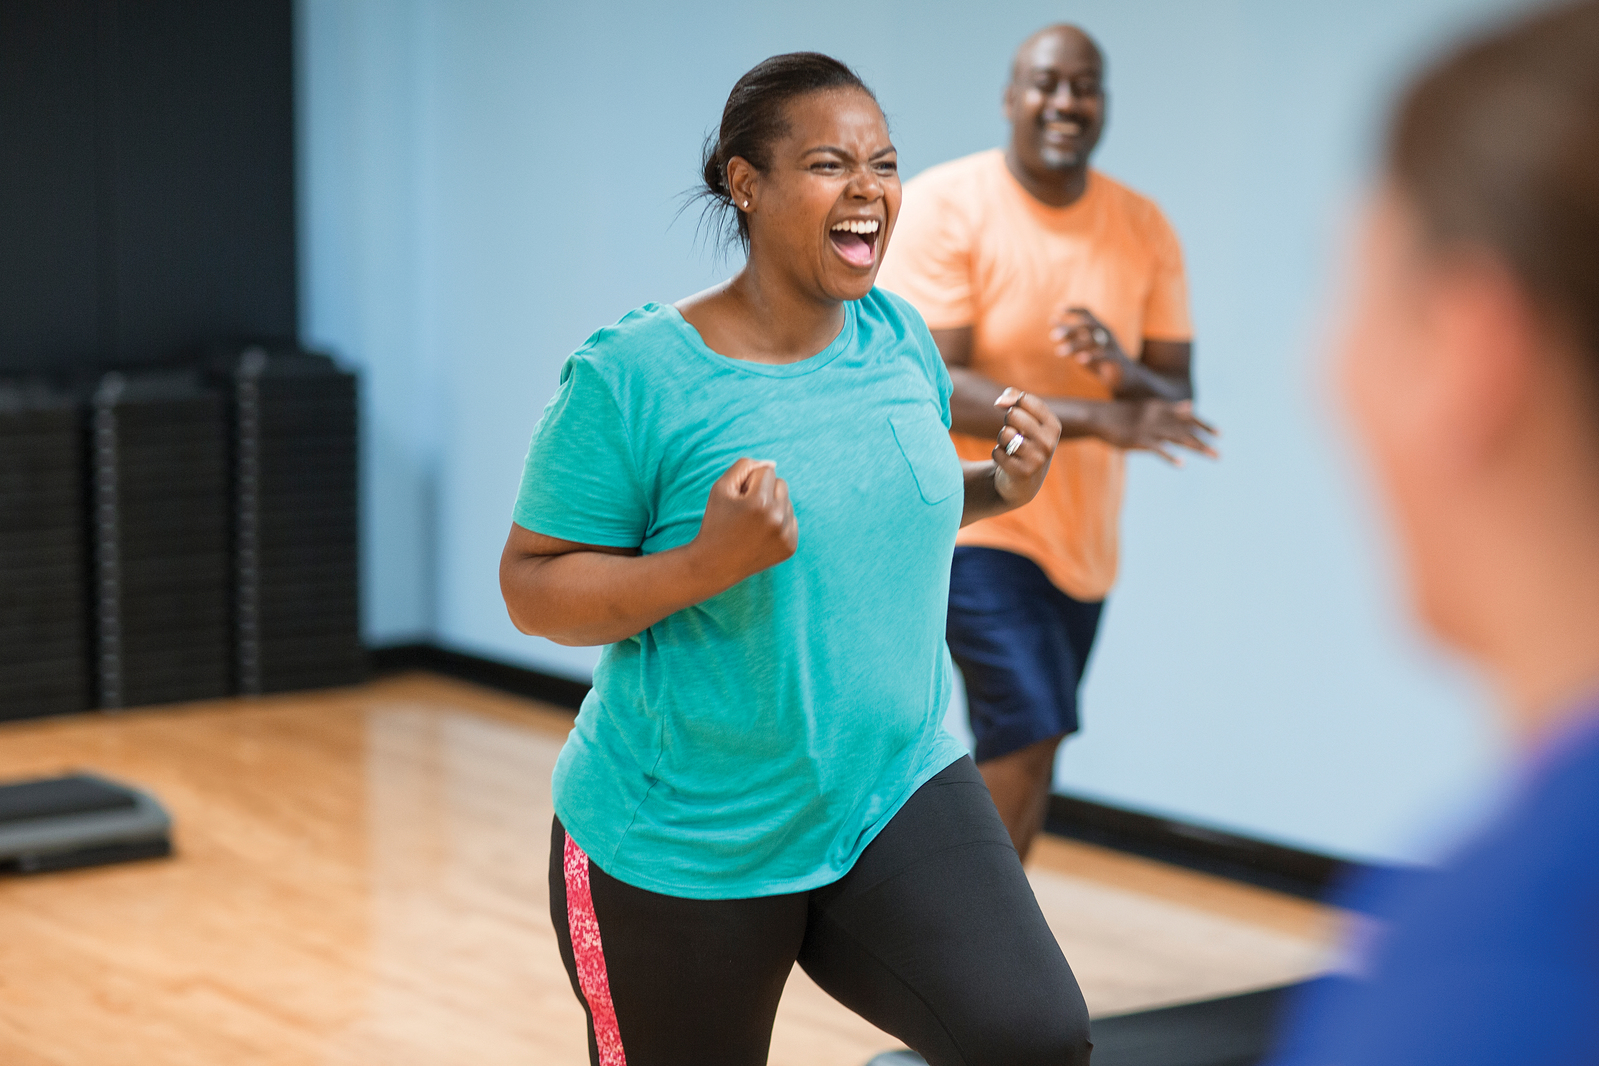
x,y
1015,444
1101,338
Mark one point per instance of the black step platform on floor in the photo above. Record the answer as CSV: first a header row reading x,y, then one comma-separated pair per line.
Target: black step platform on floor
x,y
1231,1031
63,823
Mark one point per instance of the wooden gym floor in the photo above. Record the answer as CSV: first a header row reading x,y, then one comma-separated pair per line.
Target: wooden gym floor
x,y
359,879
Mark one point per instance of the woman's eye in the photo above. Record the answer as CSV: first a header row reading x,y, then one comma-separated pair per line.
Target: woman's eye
x,y
887,168
824,166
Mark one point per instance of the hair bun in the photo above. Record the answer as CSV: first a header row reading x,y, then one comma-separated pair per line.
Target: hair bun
x,y
755,116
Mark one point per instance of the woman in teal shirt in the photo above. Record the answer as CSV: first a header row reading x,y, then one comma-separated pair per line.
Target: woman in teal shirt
x,y
750,498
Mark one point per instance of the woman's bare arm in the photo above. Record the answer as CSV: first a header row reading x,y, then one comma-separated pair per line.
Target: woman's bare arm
x,y
585,594
1028,435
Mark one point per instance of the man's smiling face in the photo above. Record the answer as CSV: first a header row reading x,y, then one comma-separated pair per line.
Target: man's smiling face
x,y
1056,100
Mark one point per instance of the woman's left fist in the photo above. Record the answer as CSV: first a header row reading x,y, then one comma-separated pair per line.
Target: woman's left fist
x,y
1026,444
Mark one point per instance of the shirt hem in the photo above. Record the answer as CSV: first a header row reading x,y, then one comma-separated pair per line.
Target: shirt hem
x,y
1080,593
781,887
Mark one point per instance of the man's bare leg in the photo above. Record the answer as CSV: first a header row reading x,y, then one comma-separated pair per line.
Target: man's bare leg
x,y
1020,783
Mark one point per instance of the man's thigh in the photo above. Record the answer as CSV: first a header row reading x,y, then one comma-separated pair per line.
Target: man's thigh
x,y
1017,641
935,937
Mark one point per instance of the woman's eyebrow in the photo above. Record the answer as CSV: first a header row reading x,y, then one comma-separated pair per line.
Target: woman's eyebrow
x,y
840,151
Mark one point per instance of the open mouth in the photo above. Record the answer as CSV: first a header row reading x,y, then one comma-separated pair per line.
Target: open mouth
x,y
1063,129
855,240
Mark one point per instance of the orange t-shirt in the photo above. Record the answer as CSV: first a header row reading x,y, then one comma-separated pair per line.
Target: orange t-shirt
x,y
973,248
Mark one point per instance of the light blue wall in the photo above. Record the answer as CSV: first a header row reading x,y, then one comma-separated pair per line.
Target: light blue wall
x,y
484,183
363,199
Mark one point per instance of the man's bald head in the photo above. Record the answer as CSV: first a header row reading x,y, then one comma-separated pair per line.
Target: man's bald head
x,y
1063,37
1055,103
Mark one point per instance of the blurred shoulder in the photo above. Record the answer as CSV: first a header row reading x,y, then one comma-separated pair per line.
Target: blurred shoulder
x,y
1138,210
958,182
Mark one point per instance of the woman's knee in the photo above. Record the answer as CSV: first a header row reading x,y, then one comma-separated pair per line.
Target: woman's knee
x,y
1067,1041
1063,1044
1050,1033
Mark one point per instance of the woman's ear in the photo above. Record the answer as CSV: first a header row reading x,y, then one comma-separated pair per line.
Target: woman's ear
x,y
741,181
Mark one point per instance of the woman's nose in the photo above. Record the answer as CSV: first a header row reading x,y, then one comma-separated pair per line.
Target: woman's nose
x,y
866,186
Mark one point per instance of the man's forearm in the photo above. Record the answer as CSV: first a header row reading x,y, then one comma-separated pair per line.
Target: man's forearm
x,y
972,408
1140,382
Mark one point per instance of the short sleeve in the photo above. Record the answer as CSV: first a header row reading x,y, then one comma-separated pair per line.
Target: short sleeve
x,y
929,258
1166,312
939,374
932,361
580,482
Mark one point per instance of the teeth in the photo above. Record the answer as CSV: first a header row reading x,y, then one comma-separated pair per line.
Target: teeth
x,y
856,226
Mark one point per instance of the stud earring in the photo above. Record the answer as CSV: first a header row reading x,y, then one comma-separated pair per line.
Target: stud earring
x,y
746,205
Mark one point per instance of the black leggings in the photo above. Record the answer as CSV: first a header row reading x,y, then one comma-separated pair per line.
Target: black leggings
x,y
934,936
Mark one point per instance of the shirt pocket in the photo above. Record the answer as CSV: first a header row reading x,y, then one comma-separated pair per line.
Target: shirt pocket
x,y
928,451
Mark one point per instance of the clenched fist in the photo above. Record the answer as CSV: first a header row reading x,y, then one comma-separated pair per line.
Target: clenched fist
x,y
1026,445
749,523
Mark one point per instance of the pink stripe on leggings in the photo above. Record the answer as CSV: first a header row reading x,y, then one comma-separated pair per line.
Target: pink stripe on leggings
x,y
591,975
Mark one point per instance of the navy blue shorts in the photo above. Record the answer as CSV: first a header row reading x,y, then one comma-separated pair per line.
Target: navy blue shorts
x,y
1022,645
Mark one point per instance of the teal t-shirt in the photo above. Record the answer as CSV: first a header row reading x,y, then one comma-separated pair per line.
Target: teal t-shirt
x,y
755,743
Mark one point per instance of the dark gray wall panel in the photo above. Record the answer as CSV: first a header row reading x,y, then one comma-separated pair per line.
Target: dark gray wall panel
x,y
49,224
146,178
203,120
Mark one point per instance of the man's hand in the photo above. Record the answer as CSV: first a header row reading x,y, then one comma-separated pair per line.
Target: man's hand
x,y
748,525
1162,370
1085,339
1154,426
1026,444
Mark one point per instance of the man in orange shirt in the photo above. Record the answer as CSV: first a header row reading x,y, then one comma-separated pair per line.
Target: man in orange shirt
x,y
1035,271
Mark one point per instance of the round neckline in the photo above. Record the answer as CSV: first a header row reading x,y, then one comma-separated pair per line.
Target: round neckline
x,y
800,367
1050,214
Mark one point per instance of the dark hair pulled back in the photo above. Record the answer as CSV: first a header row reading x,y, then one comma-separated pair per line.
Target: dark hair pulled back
x,y
756,115
1497,145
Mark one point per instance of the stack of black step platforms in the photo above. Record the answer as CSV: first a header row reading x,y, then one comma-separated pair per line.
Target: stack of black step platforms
x,y
160,539
43,602
293,436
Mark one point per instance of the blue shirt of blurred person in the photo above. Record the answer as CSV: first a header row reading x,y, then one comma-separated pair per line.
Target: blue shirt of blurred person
x,y
1493,958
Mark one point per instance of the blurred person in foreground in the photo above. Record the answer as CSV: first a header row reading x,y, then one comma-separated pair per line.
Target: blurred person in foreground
x,y
1033,269
1470,367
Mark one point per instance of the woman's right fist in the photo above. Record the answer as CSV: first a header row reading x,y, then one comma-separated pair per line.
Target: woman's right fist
x,y
749,522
